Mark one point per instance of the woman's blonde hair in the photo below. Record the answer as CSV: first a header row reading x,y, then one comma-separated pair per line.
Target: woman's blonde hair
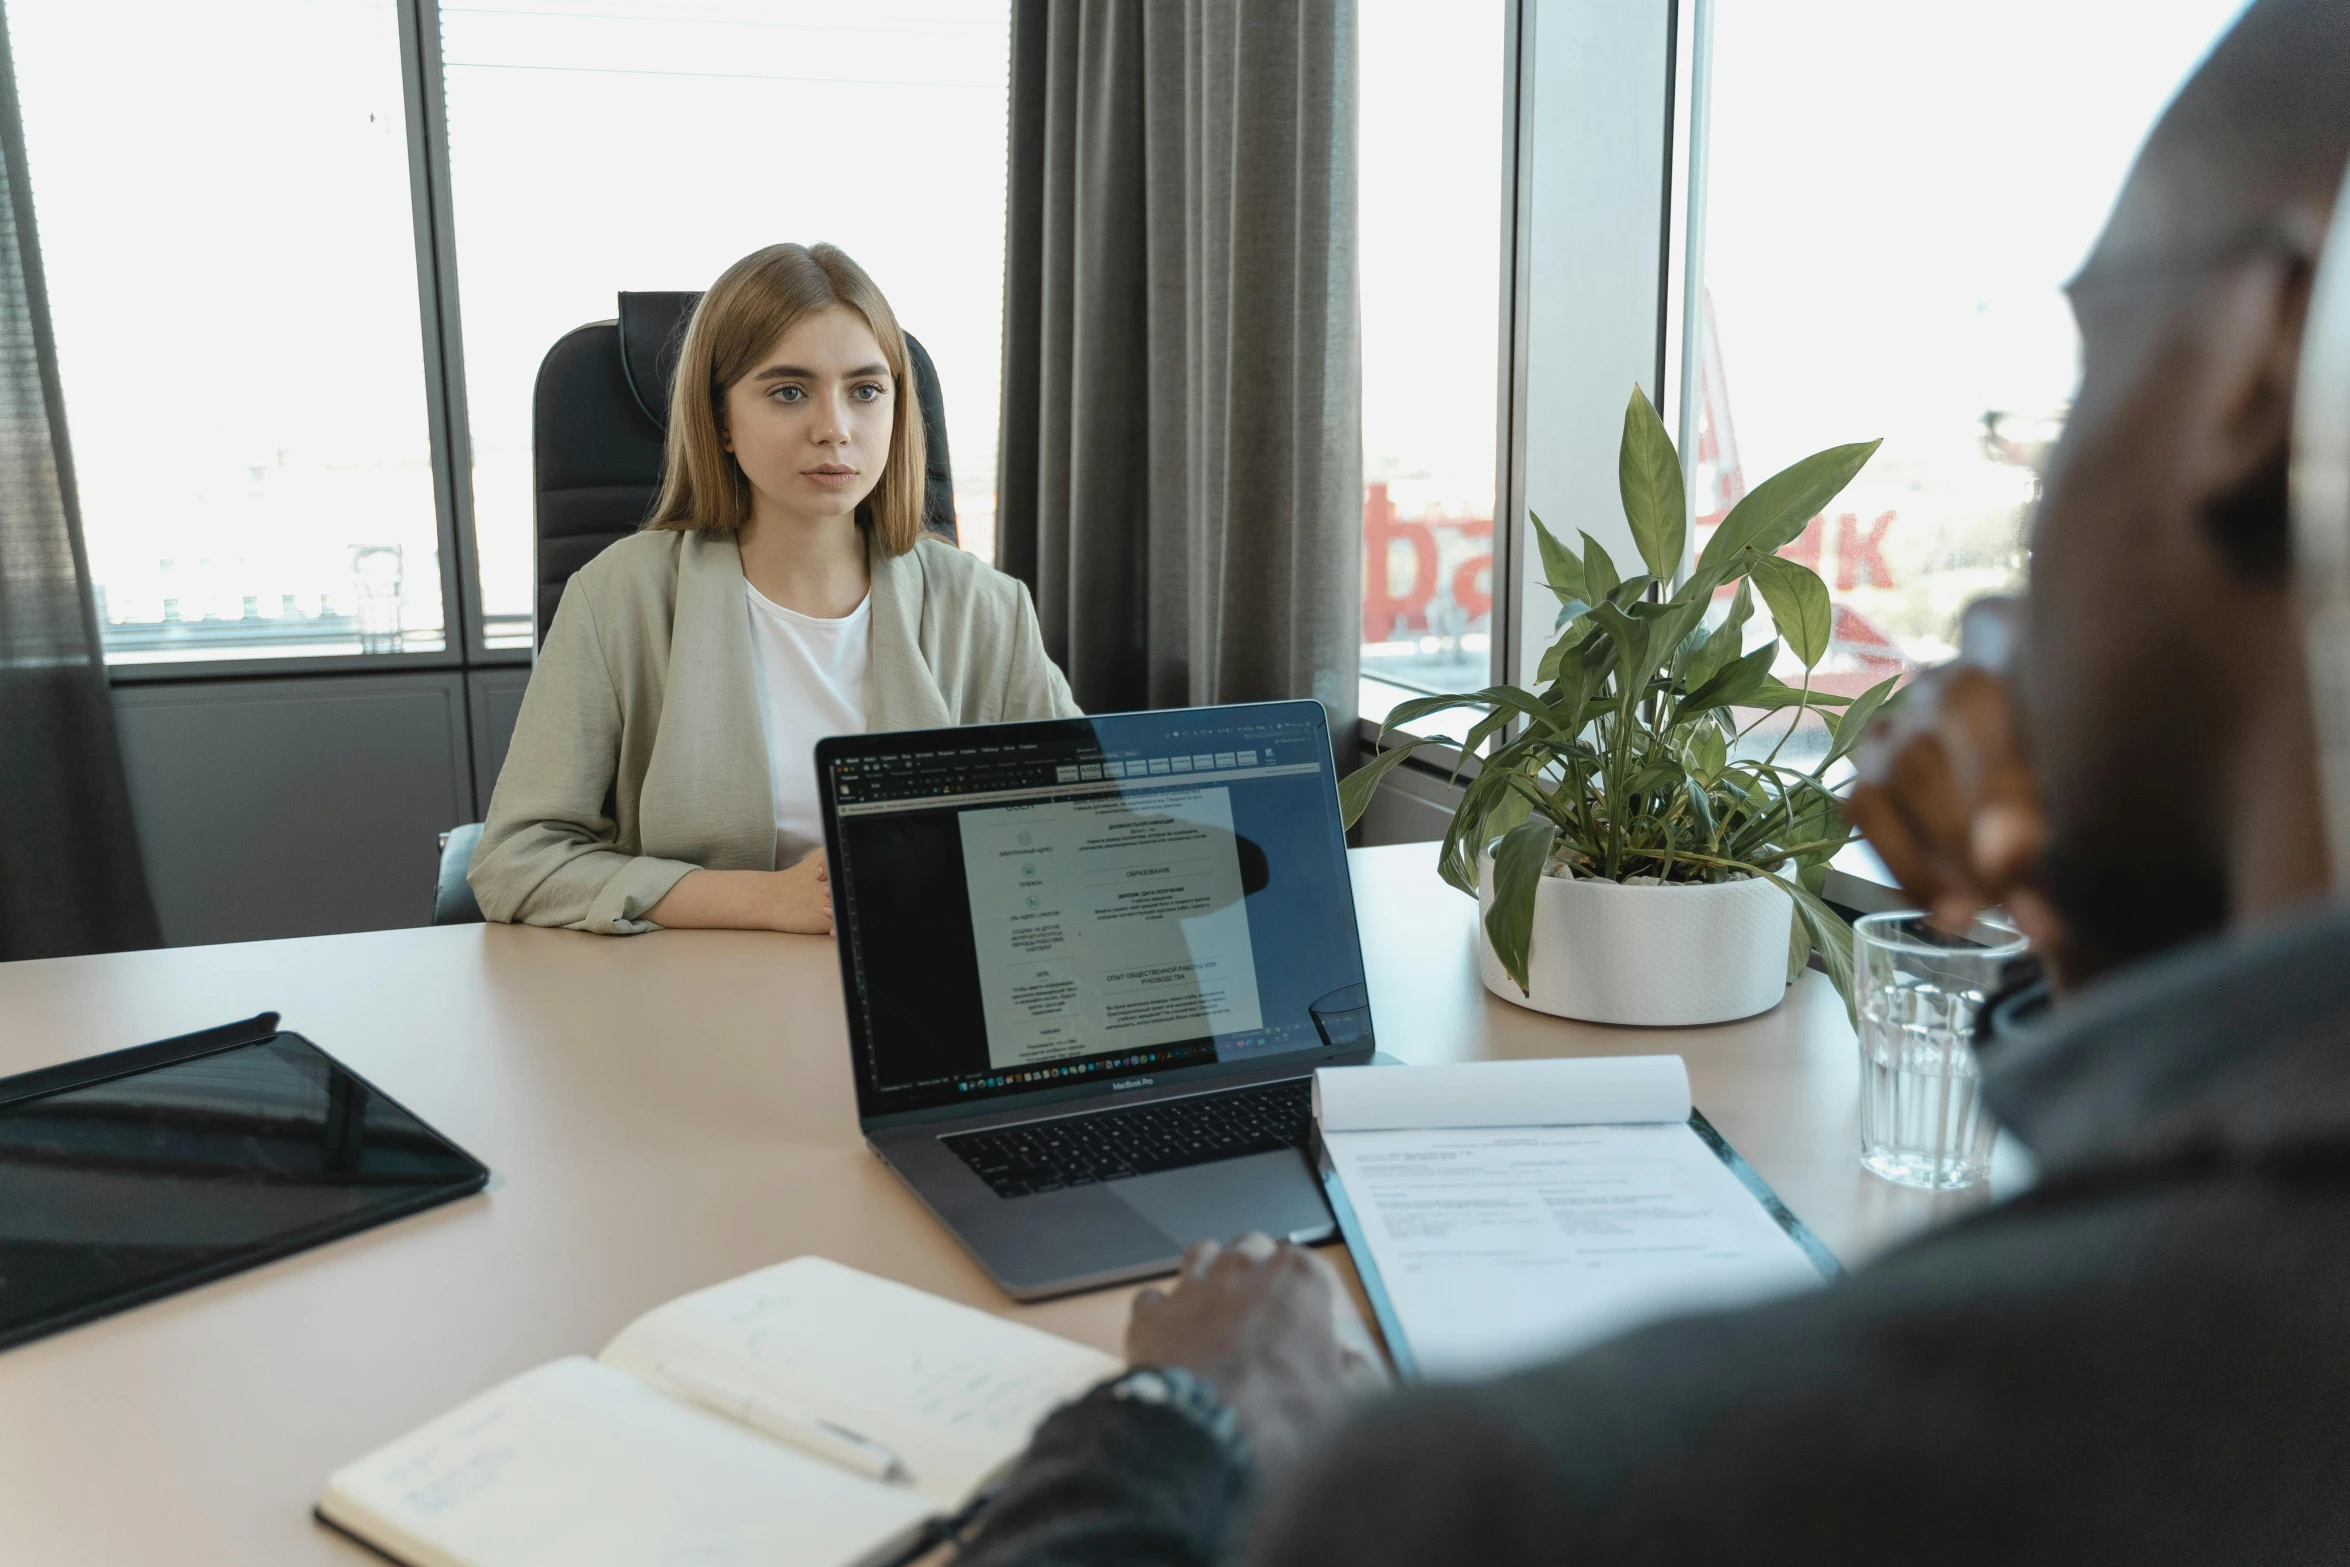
x,y
753,303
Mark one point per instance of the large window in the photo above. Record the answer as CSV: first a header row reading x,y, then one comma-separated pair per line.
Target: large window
x,y
223,200
1430,182
596,147
1897,195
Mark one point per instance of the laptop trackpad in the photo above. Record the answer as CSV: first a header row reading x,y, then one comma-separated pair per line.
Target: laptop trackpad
x,y
1272,1192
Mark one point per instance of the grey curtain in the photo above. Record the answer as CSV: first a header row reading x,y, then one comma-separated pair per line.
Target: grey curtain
x,y
70,876
1180,476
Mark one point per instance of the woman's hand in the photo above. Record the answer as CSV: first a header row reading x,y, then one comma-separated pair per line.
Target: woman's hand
x,y
1271,1329
797,899
803,896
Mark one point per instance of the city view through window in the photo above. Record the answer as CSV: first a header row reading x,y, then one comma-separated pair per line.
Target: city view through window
x,y
690,137
223,204
1896,197
1898,194
1430,178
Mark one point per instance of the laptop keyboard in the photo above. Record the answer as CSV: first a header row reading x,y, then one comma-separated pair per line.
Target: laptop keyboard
x,y
1109,1145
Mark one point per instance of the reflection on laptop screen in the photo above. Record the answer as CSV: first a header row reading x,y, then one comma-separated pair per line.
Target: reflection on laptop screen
x,y
1087,901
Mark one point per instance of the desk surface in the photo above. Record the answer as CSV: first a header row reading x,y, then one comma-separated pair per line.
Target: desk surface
x,y
662,1112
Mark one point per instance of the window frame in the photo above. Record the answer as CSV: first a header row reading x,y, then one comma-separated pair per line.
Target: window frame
x,y
1569,203
425,110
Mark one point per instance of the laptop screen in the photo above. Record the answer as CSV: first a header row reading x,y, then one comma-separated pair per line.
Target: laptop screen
x,y
1088,903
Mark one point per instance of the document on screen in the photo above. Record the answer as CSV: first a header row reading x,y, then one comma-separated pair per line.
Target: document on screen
x,y
1502,1227
1107,922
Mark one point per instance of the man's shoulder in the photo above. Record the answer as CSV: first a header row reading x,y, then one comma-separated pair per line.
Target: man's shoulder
x,y
2179,1328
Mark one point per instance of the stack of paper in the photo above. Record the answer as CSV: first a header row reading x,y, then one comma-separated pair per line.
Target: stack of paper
x,y
1500,1212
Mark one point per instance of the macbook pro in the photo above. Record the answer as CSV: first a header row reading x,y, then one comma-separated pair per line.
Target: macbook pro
x,y
1091,965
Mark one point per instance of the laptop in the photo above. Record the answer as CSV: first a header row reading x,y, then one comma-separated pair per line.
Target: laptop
x,y
1091,965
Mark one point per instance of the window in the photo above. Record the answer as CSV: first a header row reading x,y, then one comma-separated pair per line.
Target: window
x,y
223,201
1429,234
597,146
1896,197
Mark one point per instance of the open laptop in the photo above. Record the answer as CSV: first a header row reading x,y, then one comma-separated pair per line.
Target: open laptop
x,y
1091,966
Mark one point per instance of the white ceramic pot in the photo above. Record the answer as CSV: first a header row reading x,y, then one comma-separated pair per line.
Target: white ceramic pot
x,y
1663,956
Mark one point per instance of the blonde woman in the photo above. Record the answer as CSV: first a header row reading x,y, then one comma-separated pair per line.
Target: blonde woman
x,y
661,772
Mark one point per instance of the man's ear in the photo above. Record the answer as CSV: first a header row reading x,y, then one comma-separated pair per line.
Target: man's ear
x,y
2240,449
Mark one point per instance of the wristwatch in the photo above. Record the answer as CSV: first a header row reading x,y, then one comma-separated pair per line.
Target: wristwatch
x,y
1189,1395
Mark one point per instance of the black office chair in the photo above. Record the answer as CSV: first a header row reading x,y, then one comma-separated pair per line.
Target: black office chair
x,y
598,414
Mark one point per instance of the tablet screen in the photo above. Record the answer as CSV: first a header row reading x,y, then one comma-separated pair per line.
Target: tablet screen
x,y
129,1176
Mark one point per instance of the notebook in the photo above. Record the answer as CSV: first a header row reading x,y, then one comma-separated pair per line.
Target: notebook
x,y
1502,1212
807,1415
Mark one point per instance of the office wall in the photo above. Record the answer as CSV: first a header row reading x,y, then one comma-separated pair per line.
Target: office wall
x,y
295,807
496,698
1413,805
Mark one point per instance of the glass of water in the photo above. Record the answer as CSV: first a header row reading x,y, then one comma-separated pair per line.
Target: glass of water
x,y
1921,990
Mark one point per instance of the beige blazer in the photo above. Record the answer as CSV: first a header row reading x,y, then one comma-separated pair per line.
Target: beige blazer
x,y
640,753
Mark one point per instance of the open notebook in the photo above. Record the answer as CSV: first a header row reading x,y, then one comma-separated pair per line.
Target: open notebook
x,y
1502,1211
806,1415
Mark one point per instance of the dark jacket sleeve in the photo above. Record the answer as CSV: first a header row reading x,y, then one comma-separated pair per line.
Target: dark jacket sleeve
x,y
1110,1483
1424,1480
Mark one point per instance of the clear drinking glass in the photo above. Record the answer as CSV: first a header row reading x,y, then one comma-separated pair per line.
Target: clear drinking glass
x,y
1922,1120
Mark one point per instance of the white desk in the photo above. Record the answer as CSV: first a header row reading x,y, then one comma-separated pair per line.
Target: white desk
x,y
662,1112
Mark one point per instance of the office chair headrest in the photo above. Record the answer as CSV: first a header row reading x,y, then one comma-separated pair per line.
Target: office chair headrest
x,y
652,331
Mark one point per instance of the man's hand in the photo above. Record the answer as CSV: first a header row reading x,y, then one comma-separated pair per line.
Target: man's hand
x,y
1271,1329
1946,797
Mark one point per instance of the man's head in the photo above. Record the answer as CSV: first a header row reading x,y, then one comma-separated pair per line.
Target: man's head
x,y
2162,675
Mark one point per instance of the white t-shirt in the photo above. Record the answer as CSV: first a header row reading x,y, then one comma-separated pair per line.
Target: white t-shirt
x,y
815,679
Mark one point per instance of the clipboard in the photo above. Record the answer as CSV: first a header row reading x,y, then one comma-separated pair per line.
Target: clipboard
x,y
1390,1323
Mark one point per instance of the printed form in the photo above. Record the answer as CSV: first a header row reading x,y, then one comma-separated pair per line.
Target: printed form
x,y
1506,1227
1108,922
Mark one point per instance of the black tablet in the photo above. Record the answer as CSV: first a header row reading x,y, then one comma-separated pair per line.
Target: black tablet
x,y
131,1175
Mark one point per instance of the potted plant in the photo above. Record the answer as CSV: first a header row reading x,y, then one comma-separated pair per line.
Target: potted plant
x,y
1640,852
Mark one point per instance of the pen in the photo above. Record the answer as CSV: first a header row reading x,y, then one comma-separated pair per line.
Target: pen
x,y
811,1433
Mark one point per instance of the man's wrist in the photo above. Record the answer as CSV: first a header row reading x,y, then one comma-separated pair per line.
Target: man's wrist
x,y
1185,1393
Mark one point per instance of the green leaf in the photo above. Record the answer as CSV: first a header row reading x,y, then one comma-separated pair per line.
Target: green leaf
x,y
1599,570
1798,948
1726,641
1771,514
1505,815
1799,605
1421,706
1832,937
1631,591
1855,719
1775,694
1708,753
1561,571
1648,471
1356,788
1554,662
1482,730
1539,716
1701,803
1734,686
1517,877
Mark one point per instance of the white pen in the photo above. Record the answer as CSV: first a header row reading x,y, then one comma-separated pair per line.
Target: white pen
x,y
810,1432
